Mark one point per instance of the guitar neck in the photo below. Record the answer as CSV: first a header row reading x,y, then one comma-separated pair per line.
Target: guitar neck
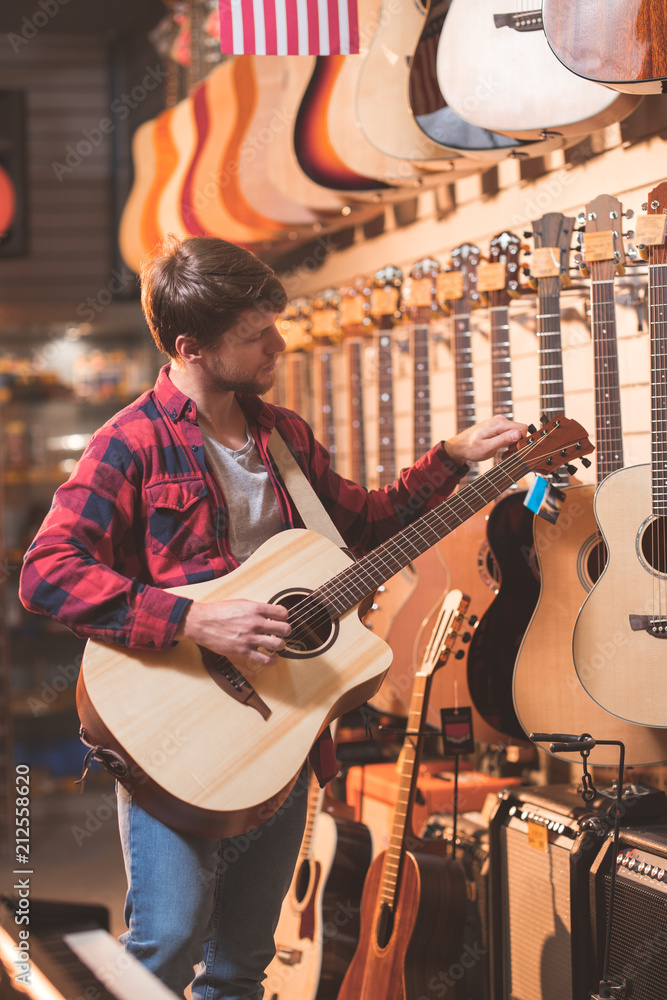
x,y
501,366
552,393
325,399
408,770
463,372
296,364
315,800
386,466
421,391
356,438
609,436
658,322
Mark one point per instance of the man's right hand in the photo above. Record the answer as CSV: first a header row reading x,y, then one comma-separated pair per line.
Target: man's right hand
x,y
254,631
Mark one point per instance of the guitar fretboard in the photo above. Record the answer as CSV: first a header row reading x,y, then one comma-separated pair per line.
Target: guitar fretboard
x,y
658,323
386,464
501,365
421,392
609,437
550,350
356,436
463,372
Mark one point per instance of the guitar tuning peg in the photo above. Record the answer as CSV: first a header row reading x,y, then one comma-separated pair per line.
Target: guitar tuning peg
x,y
629,214
527,235
544,419
581,218
532,429
644,206
643,251
572,469
586,462
630,233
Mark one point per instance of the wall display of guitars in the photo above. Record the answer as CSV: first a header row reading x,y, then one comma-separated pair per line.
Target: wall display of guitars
x,y
325,331
617,643
262,150
547,693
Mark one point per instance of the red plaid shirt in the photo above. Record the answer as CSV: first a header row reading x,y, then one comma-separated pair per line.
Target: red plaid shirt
x,y
141,512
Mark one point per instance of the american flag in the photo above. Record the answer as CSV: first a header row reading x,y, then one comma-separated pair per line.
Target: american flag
x,y
289,27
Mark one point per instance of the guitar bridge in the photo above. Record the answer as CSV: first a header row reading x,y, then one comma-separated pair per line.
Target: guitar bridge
x,y
655,626
232,681
288,956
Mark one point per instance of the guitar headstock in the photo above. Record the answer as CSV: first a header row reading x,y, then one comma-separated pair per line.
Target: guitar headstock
x,y
448,624
355,307
602,239
325,324
498,279
650,232
419,295
456,287
557,442
385,295
295,324
552,235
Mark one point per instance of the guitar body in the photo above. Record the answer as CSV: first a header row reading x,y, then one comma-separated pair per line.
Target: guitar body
x,y
473,50
548,696
215,108
325,893
399,615
165,158
427,933
184,137
496,640
143,699
283,167
585,37
130,240
621,669
467,555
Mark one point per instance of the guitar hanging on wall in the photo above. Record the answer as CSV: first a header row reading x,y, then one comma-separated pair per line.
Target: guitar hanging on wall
x,y
618,653
548,696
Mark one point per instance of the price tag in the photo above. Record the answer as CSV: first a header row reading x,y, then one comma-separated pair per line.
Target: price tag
x,y
449,285
352,311
650,230
491,277
418,293
384,301
324,322
545,262
537,837
457,735
599,246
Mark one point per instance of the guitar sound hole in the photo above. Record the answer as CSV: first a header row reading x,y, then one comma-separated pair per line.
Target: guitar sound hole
x,y
302,882
596,562
385,926
654,544
313,630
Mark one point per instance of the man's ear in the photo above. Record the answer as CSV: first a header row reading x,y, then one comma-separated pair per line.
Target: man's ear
x,y
188,349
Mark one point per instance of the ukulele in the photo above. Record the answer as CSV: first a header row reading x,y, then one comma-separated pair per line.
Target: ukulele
x,y
617,647
548,696
422,590
325,330
509,527
585,37
262,723
485,50
413,903
311,958
355,323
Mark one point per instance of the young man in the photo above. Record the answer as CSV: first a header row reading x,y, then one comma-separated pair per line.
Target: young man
x,y
119,532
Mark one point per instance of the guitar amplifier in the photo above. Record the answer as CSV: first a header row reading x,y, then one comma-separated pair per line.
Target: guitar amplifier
x,y
471,979
639,921
542,844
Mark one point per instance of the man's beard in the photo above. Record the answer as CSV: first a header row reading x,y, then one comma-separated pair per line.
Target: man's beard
x,y
230,381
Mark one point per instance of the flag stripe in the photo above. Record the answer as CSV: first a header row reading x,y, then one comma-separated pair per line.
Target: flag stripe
x,y
289,27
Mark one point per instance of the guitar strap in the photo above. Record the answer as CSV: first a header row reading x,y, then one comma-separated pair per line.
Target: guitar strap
x,y
305,499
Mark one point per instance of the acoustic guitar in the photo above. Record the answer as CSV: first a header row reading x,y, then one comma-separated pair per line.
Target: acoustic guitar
x,y
548,696
413,904
485,50
620,43
150,707
318,928
618,653
440,122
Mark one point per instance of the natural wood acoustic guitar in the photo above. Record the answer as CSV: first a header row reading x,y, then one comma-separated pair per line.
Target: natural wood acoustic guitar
x,y
620,43
483,53
151,706
571,555
618,652
413,904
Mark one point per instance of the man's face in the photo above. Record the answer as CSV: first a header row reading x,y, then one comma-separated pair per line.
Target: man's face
x,y
244,359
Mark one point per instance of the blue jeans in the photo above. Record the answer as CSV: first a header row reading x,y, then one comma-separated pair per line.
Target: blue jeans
x,y
213,904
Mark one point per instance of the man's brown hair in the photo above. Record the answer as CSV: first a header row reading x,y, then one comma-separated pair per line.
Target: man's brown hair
x,y
198,286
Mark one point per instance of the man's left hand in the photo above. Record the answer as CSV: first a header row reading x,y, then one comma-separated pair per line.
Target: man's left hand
x,y
485,439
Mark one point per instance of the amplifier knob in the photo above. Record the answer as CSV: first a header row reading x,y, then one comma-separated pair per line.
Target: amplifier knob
x,y
654,872
631,863
619,858
624,860
661,875
640,867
